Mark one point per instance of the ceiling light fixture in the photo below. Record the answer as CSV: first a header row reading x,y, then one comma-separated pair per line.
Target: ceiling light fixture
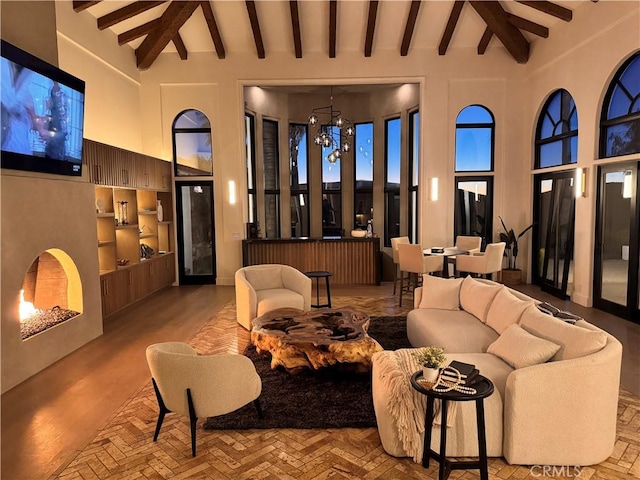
x,y
333,130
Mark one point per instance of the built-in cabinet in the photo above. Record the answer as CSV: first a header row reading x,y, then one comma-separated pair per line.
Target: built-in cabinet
x,y
135,225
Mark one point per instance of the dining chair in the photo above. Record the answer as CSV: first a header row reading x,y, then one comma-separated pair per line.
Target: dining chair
x,y
469,243
482,264
395,241
200,385
415,263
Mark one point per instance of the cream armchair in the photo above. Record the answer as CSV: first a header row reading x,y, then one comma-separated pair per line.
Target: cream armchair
x,y
262,288
471,244
483,264
415,263
200,386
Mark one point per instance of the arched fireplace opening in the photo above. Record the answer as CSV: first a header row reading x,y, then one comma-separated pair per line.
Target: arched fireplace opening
x,y
51,293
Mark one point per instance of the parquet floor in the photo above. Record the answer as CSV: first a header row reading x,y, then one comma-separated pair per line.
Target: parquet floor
x,y
125,450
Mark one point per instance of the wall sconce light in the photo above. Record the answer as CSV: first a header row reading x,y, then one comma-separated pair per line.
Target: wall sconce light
x,y
626,186
433,194
581,182
232,192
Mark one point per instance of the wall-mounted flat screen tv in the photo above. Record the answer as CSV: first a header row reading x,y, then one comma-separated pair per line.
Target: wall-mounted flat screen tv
x,y
42,115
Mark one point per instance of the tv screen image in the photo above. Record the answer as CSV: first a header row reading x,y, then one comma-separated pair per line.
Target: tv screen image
x,y
42,115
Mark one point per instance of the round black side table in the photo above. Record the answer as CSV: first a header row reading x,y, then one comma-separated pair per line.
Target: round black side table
x,y
484,388
318,275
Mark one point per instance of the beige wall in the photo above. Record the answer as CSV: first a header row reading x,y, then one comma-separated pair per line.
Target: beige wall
x,y
580,56
41,212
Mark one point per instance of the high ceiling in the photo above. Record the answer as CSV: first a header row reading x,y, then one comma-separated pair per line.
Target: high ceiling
x,y
301,27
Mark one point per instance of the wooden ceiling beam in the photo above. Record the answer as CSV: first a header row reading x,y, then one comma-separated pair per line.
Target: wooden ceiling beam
x,y
79,6
484,41
549,8
140,31
213,29
255,27
333,25
496,19
371,27
176,14
528,25
450,27
295,27
180,47
409,26
124,13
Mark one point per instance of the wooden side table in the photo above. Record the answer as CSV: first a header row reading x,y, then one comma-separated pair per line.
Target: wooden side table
x,y
484,388
318,275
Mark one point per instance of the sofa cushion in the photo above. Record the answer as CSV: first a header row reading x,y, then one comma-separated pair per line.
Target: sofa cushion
x,y
264,277
520,348
505,310
574,340
476,297
454,330
274,298
440,293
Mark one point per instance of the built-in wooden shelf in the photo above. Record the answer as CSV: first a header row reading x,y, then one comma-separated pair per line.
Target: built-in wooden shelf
x,y
106,243
106,215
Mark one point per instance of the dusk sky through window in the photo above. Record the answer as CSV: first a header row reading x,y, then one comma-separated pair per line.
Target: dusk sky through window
x,y
474,143
364,152
393,151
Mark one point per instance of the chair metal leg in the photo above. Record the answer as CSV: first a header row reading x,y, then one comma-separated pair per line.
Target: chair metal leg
x,y
401,287
395,277
256,403
192,421
163,410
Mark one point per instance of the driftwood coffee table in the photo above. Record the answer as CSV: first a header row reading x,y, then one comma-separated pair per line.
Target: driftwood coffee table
x,y
316,339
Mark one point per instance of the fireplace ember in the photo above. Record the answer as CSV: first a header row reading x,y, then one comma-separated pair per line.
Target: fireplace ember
x,y
40,320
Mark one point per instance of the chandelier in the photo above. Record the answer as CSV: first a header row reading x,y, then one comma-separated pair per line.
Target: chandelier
x,y
333,131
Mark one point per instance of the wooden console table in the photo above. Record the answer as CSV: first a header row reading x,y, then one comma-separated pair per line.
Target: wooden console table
x,y
352,261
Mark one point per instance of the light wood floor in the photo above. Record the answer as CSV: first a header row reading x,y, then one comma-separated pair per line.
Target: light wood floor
x,y
92,414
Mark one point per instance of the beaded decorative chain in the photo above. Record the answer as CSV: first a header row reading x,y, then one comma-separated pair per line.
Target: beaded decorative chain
x,y
457,385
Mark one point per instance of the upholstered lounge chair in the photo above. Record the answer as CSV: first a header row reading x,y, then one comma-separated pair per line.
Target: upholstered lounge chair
x,y
198,385
262,288
482,264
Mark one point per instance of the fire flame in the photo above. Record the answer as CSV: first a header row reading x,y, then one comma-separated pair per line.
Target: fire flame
x,y
26,308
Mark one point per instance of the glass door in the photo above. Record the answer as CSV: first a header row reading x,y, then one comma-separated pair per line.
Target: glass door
x,y
473,211
196,237
553,231
616,276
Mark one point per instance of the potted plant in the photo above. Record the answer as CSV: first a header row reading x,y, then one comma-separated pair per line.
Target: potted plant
x,y
511,275
430,358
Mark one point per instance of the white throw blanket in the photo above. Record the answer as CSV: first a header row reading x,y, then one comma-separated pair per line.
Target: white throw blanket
x,y
406,405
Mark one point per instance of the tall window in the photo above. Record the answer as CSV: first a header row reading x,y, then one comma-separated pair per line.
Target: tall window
x,y
192,150
250,158
299,174
473,210
393,151
620,120
474,139
414,167
331,191
363,188
557,132
271,178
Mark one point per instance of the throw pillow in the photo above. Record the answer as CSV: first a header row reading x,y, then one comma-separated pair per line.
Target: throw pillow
x,y
505,310
440,293
521,349
476,297
574,340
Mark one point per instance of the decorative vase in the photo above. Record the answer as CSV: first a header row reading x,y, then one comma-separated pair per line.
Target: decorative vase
x,y
430,374
160,212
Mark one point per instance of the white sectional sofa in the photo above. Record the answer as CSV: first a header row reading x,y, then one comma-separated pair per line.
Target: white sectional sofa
x,y
556,383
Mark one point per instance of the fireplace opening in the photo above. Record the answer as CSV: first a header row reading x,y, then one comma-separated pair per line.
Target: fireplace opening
x,y
51,293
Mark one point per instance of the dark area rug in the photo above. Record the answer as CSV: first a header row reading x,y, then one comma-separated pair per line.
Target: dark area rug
x,y
328,398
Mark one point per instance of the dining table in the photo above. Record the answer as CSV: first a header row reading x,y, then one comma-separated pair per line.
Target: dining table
x,y
446,254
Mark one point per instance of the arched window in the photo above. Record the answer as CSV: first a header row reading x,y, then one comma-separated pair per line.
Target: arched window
x,y
557,131
474,139
192,148
620,119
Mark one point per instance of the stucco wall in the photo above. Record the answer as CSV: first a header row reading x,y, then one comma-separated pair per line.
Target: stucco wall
x,y
580,56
